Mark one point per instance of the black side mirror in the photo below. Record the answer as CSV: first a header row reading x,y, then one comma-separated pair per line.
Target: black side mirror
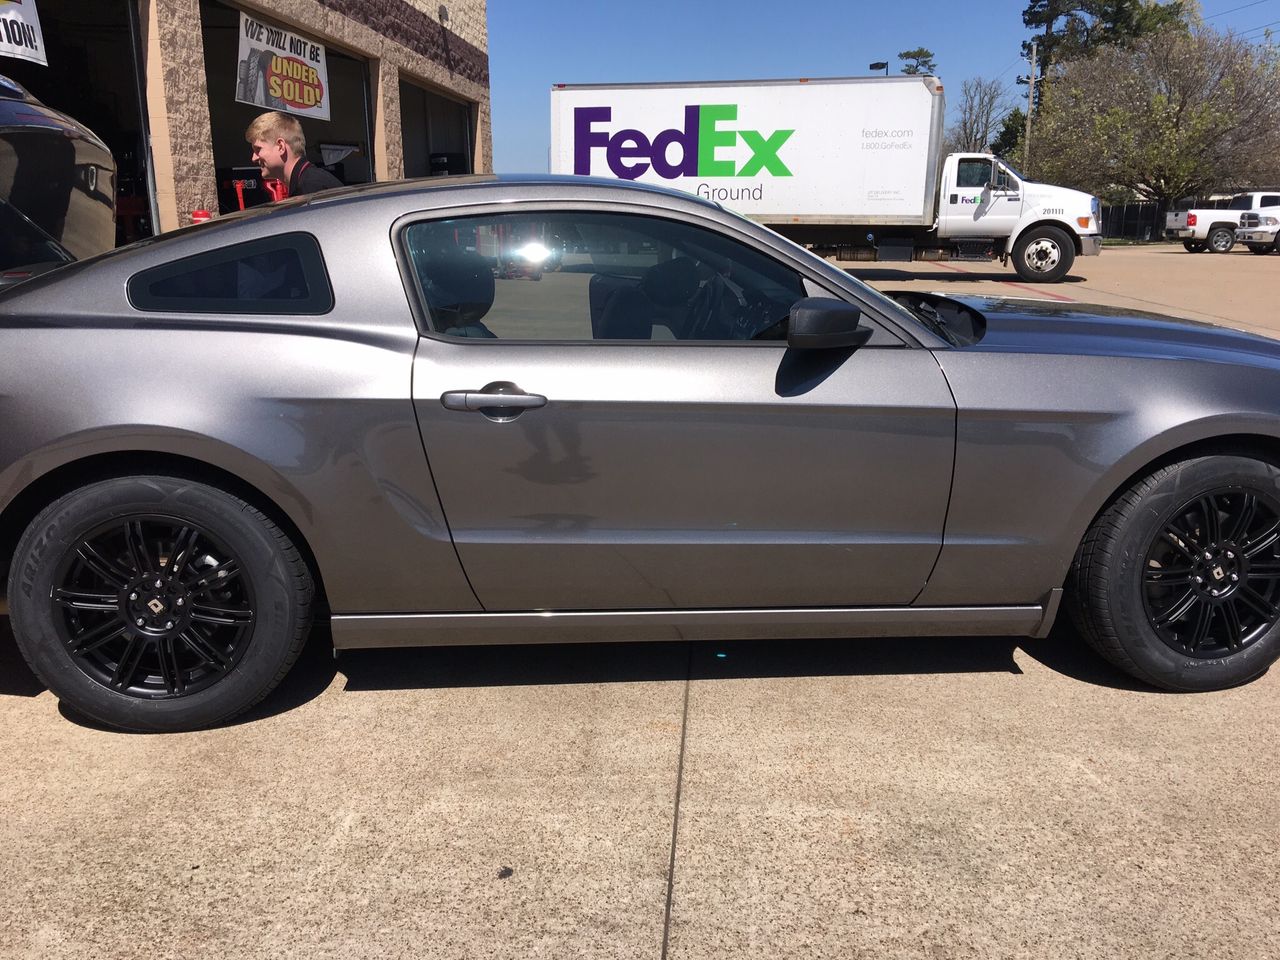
x,y
818,323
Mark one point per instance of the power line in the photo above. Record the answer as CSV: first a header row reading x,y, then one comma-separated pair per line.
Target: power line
x,y
1234,9
1259,30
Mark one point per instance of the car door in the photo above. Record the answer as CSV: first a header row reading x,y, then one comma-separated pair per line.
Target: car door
x,y
629,430
984,201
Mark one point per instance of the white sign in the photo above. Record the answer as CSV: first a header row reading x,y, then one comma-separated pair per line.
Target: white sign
x,y
20,34
279,70
856,149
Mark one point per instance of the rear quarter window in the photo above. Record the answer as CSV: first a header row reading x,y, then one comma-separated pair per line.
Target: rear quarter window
x,y
281,274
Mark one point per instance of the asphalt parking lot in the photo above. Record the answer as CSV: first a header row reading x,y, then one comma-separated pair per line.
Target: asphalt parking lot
x,y
953,797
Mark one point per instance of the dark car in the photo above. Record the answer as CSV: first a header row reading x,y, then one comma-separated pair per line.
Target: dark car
x,y
57,188
694,430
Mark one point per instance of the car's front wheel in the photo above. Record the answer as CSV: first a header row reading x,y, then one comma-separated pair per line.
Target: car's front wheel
x,y
1178,581
157,603
1260,248
1043,255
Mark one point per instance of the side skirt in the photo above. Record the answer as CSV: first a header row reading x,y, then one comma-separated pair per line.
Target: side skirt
x,y
357,631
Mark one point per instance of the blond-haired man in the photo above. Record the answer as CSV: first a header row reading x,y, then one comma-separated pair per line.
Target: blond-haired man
x,y
280,151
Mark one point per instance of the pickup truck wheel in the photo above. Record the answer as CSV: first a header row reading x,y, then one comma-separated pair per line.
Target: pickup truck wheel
x,y
158,604
1193,246
1043,255
1178,582
1260,248
1221,239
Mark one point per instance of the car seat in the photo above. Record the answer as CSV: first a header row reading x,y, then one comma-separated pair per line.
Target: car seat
x,y
459,290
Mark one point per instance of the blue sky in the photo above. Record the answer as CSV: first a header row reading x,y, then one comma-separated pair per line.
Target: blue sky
x,y
535,44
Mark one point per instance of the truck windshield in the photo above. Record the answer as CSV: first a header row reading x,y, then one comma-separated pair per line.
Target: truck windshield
x,y
1012,169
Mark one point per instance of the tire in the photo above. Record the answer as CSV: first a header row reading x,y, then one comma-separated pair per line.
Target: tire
x,y
1134,594
1221,240
187,604
1043,255
1261,249
1194,246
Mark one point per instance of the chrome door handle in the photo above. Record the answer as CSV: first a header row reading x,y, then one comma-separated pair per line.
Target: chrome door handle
x,y
479,400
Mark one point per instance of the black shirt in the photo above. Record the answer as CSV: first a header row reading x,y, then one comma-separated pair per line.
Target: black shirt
x,y
308,178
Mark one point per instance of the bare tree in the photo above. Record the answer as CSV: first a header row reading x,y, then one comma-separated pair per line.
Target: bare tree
x,y
1172,115
983,107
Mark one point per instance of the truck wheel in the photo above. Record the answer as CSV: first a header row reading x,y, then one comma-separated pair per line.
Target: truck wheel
x,y
1194,246
1260,248
1221,239
158,604
1043,255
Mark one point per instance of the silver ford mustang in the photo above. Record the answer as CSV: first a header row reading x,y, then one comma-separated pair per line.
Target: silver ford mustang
x,y
503,410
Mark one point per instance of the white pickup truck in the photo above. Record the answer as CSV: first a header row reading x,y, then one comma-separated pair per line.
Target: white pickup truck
x,y
1260,231
1215,229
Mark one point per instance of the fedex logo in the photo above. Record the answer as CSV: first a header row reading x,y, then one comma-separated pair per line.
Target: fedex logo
x,y
630,153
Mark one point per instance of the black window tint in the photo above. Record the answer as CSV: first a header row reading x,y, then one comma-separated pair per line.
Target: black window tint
x,y
973,173
283,274
1271,201
596,276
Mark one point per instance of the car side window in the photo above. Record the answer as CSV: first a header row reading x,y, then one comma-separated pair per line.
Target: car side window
x,y
596,276
1271,201
283,274
973,173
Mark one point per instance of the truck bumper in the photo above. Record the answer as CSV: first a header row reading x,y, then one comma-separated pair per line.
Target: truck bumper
x,y
1256,235
1185,234
1090,246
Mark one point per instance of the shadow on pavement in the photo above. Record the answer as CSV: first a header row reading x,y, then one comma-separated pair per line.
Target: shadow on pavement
x,y
434,667
946,276
16,678
1066,652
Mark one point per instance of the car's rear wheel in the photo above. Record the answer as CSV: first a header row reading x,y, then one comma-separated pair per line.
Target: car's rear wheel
x,y
1194,246
1221,239
1178,581
156,603
1043,255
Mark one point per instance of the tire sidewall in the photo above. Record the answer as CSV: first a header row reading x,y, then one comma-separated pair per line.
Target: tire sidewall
x,y
65,522
1154,657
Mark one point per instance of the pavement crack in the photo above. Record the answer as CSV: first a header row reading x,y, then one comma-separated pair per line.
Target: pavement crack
x,y
675,816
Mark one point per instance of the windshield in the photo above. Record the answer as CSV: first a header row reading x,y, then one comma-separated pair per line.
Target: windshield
x,y
1010,167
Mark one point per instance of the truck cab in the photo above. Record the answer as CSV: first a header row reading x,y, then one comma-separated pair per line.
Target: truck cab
x,y
988,209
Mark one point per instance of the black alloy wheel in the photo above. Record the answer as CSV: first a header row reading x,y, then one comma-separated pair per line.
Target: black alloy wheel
x,y
156,603
1177,582
1212,575
153,607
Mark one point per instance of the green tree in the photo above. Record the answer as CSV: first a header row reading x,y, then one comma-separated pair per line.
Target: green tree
x,y
1172,115
1073,29
1009,139
918,61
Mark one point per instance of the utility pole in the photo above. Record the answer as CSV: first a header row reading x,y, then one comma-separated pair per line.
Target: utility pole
x,y
1031,100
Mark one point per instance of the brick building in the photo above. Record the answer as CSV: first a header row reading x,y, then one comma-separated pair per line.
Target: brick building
x,y
163,82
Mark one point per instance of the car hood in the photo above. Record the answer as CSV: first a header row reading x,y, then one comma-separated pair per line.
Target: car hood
x,y
1037,326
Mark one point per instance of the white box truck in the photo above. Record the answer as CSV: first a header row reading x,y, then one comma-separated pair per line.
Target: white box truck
x,y
852,167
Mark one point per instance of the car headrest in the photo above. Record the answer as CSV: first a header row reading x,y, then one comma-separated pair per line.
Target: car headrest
x,y
458,287
671,283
